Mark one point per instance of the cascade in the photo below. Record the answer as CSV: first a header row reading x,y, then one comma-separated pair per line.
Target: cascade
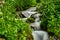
x,y
37,33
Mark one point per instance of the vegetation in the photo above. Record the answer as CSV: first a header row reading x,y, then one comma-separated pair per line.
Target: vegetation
x,y
24,4
30,20
10,27
51,15
15,29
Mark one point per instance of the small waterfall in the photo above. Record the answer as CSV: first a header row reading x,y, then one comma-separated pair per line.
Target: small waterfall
x,y
40,35
36,24
36,32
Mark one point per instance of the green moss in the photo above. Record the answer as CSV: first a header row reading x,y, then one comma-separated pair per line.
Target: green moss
x,y
30,20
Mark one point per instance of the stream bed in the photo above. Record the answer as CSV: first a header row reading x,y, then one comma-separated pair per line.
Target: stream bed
x,y
37,33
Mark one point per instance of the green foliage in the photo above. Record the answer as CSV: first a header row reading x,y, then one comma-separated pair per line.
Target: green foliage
x,y
30,20
10,27
38,1
24,4
51,15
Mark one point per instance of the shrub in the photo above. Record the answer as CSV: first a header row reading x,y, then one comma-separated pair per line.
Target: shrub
x,y
11,28
51,15
24,4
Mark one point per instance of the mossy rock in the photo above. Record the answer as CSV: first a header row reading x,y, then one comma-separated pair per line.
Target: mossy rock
x,y
30,20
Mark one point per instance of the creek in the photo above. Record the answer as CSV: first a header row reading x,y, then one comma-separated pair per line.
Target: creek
x,y
37,33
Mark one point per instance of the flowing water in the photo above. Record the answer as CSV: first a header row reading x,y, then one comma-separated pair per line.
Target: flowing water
x,y
35,26
36,32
